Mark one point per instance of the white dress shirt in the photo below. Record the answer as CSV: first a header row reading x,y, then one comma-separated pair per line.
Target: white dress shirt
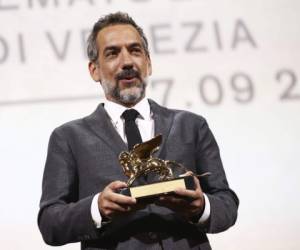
x,y
145,124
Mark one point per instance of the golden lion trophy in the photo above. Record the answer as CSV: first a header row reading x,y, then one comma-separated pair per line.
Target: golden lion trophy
x,y
138,163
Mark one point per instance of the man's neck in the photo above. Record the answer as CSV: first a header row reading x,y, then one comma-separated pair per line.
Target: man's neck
x,y
126,105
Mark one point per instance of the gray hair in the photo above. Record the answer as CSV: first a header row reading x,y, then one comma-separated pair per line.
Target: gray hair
x,y
108,20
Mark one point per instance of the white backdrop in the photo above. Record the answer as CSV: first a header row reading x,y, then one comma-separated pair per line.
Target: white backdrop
x,y
234,62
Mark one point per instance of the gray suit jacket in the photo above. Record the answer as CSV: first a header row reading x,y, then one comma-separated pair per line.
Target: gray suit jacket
x,y
83,158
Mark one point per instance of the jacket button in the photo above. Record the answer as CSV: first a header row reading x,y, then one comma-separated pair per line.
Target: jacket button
x,y
86,237
152,236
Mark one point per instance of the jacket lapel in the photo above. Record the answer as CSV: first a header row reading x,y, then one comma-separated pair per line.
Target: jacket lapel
x,y
100,123
163,120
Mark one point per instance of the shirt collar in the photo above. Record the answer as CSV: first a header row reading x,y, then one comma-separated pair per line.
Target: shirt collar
x,y
115,110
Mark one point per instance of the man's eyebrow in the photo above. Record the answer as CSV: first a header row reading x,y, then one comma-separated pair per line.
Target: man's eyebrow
x,y
136,44
115,47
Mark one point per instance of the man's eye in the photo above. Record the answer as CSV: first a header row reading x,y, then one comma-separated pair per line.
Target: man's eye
x,y
111,53
136,50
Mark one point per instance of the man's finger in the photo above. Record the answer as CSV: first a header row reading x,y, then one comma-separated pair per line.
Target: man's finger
x,y
115,185
121,199
197,183
114,207
188,193
172,201
187,173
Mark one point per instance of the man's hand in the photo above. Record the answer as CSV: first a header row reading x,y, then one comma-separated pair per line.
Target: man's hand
x,y
111,203
187,203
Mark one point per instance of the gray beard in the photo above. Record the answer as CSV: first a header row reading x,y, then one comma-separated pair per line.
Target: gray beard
x,y
128,96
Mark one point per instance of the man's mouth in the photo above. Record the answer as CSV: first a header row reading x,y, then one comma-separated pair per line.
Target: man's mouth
x,y
128,80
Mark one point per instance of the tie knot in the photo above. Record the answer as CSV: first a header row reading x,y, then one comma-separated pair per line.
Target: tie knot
x,y
130,115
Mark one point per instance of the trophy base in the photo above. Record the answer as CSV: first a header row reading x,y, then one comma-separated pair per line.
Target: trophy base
x,y
153,190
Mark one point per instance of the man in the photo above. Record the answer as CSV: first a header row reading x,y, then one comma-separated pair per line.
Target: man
x,y
80,199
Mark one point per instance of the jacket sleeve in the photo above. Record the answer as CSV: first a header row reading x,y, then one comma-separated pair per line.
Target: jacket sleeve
x,y
223,201
63,218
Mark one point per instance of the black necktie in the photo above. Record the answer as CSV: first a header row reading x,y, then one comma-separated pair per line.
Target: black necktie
x,y
131,130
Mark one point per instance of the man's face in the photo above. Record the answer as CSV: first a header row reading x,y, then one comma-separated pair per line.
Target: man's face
x,y
123,66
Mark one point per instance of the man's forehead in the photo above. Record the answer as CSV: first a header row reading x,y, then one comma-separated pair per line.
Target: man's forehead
x,y
118,34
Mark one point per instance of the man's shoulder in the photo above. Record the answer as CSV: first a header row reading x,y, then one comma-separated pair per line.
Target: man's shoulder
x,y
186,114
179,114
73,124
76,124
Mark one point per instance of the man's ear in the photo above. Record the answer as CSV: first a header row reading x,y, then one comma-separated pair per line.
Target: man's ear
x,y
94,71
149,67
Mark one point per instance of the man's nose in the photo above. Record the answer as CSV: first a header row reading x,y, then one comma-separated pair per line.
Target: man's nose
x,y
127,62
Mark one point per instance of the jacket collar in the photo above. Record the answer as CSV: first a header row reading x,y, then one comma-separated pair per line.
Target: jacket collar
x,y
163,121
100,123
